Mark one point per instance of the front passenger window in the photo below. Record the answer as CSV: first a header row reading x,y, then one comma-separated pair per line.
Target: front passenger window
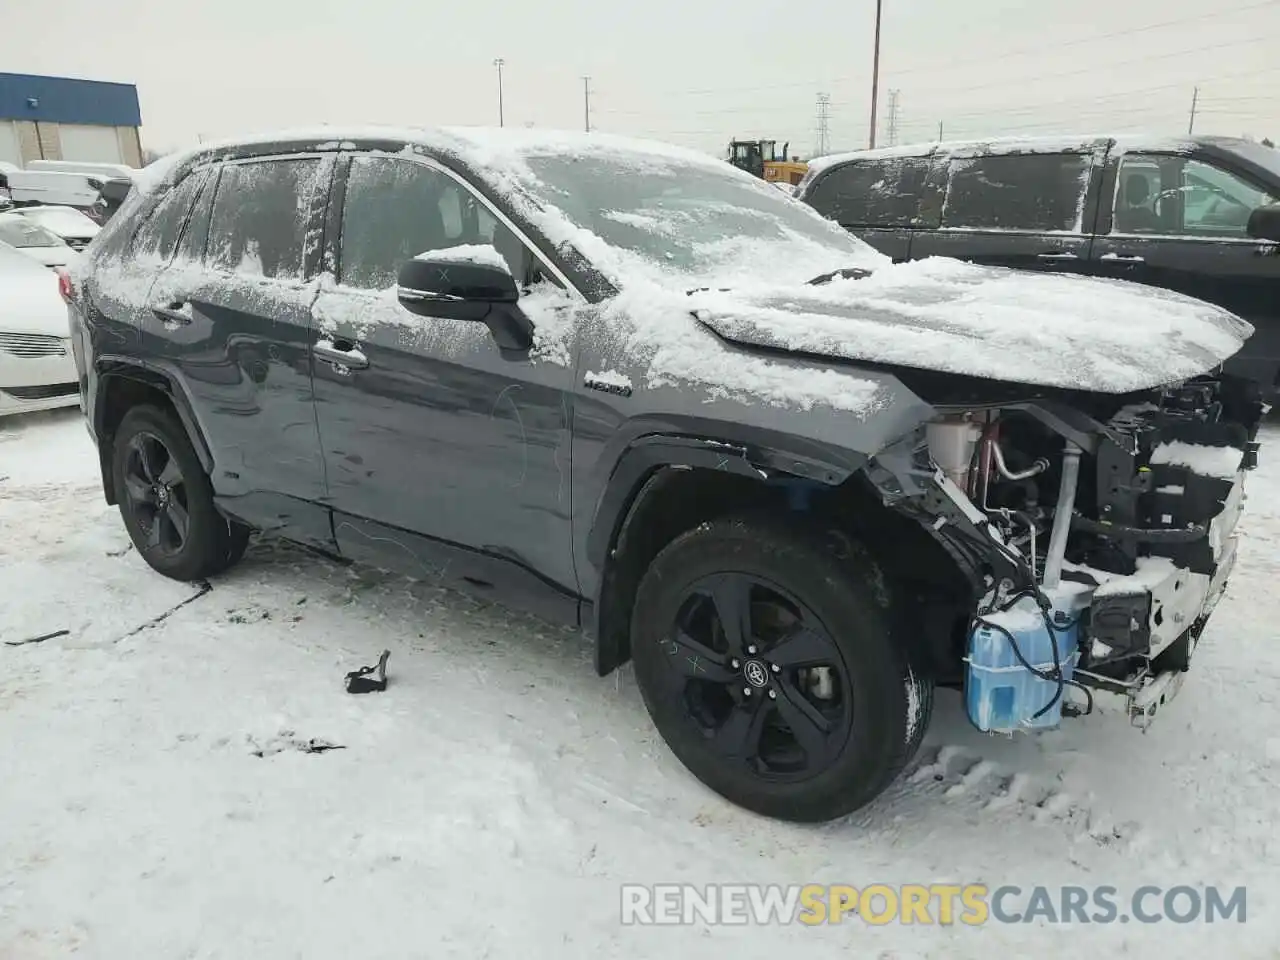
x,y
1178,197
397,209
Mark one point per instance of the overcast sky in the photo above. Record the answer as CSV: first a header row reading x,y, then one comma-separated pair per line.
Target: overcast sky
x,y
696,72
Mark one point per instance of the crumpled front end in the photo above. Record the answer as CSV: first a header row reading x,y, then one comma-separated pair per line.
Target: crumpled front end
x,y
1097,536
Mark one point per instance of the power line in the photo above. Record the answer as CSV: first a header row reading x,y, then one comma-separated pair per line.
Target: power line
x,y
1133,31
767,109
1040,48
1079,71
997,110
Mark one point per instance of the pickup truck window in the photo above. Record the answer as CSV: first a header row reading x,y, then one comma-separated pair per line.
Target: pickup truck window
x,y
1031,191
872,193
1177,196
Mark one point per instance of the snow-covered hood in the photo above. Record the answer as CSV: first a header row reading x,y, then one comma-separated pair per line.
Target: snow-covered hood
x,y
30,302
940,314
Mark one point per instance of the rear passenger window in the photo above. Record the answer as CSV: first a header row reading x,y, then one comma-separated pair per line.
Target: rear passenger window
x,y
158,235
872,193
259,220
1040,191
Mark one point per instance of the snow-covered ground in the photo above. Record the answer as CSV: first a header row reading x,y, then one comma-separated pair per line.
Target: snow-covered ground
x,y
154,802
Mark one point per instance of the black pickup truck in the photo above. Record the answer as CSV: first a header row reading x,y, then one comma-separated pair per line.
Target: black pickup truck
x,y
1197,215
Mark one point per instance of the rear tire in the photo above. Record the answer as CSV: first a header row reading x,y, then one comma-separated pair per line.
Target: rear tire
x,y
166,500
818,709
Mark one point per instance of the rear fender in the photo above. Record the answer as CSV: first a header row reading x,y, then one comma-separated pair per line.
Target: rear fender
x,y
110,371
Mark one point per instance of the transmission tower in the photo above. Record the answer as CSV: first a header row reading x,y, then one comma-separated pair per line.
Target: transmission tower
x,y
894,114
824,125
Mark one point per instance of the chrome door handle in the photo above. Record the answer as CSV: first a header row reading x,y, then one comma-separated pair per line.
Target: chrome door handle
x,y
341,356
1122,258
1057,256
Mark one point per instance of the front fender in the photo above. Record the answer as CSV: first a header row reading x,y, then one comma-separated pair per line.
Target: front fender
x,y
615,453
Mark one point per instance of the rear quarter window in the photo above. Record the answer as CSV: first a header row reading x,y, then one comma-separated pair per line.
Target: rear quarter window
x,y
158,234
872,193
1043,192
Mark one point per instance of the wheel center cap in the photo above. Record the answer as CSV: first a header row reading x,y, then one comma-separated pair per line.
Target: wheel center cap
x,y
162,495
757,673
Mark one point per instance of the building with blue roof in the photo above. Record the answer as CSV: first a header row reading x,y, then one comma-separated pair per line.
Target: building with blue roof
x,y
60,118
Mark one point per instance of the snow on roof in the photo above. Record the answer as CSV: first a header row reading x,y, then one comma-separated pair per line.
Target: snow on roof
x,y
1057,143
478,145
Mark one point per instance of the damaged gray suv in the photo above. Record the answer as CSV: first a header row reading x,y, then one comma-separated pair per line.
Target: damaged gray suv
x,y
632,389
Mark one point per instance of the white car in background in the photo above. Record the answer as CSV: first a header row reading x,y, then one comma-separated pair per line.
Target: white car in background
x,y
67,222
41,245
37,368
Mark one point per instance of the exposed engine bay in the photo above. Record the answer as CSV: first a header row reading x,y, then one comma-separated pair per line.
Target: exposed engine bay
x,y
1097,533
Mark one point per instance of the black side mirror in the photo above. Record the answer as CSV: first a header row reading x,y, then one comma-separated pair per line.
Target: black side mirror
x,y
451,285
1264,223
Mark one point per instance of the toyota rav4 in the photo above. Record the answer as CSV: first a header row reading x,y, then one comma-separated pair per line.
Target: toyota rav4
x,y
630,388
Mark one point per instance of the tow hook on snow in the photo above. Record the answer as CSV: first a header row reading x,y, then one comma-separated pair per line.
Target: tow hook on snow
x,y
369,679
1144,703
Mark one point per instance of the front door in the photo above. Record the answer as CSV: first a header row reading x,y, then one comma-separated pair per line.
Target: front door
x,y
236,304
1179,223
445,458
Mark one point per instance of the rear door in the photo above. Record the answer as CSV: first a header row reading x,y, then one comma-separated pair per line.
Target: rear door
x,y
878,200
1178,222
1034,211
236,305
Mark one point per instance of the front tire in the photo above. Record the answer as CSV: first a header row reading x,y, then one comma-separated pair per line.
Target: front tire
x,y
768,662
166,500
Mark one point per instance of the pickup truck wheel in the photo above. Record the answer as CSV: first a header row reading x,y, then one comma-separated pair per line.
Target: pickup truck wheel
x,y
767,662
166,499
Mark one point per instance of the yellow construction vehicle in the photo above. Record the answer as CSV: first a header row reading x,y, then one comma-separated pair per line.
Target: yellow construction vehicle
x,y
763,159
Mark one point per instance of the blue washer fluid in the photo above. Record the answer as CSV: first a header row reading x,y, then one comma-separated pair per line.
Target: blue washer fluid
x,y
1001,694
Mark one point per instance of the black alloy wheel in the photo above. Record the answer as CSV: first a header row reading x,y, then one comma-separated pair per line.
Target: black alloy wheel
x,y
758,676
166,499
767,653
157,493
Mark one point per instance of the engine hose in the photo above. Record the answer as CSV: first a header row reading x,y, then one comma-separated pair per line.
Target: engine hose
x,y
1118,531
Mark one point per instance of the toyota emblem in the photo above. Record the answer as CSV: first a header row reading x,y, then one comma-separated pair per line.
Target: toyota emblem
x,y
756,673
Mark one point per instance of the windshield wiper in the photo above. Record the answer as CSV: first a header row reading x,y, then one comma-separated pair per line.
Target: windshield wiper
x,y
845,273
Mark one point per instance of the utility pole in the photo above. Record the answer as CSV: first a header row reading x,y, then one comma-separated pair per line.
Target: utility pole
x,y
824,126
939,131
586,103
894,99
1195,98
498,62
875,78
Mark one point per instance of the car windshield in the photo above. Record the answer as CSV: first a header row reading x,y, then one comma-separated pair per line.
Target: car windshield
x,y
21,232
691,219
